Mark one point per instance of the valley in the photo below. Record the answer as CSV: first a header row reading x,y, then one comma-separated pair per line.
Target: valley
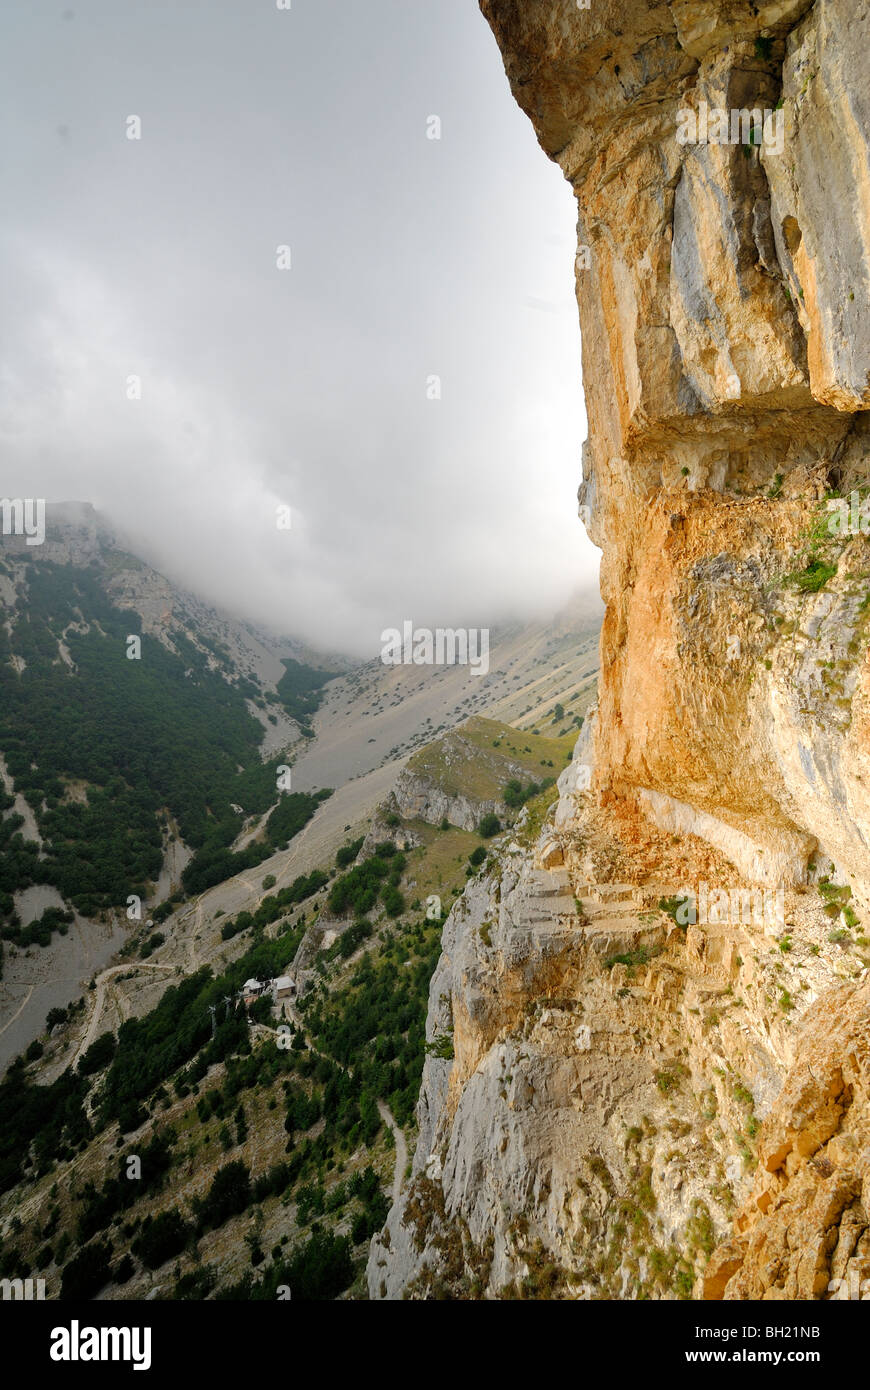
x,y
368,723
520,962
346,969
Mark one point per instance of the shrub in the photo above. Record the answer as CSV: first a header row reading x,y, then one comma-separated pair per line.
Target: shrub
x,y
358,890
370,1219
814,577
321,1269
98,1055
161,1238
87,1272
393,901
229,1194
348,854
642,956
677,908
353,938
669,1079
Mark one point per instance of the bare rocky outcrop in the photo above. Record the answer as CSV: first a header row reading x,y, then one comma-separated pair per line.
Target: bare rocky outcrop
x,y
461,777
618,1103
416,797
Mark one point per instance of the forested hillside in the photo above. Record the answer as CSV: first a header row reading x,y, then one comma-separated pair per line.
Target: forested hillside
x,y
267,1156
277,1130
104,748
300,690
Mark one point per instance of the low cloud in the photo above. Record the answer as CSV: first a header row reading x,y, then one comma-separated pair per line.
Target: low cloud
x,y
305,387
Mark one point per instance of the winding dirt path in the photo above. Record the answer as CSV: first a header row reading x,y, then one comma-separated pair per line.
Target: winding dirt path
x,y
191,940
384,1110
18,1010
386,1115
100,1000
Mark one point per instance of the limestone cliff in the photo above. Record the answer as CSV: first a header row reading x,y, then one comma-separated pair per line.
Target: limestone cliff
x,y
417,798
621,1102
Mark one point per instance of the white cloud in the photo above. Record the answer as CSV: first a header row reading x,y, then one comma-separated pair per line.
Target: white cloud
x,y
308,386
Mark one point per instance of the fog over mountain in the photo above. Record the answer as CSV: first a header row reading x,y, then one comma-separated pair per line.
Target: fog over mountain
x,y
410,257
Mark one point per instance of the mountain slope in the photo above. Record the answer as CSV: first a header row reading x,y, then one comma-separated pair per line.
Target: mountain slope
x,y
262,1163
157,776
116,771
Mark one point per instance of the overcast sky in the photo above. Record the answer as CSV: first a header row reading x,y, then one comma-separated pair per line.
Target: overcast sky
x,y
306,386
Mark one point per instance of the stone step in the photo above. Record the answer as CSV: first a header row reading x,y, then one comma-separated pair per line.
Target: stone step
x,y
613,892
605,925
593,909
560,904
609,892
548,915
553,895
542,884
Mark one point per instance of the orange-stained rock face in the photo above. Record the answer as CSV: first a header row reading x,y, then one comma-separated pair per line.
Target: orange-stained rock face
x,y
803,1232
641,1105
726,363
